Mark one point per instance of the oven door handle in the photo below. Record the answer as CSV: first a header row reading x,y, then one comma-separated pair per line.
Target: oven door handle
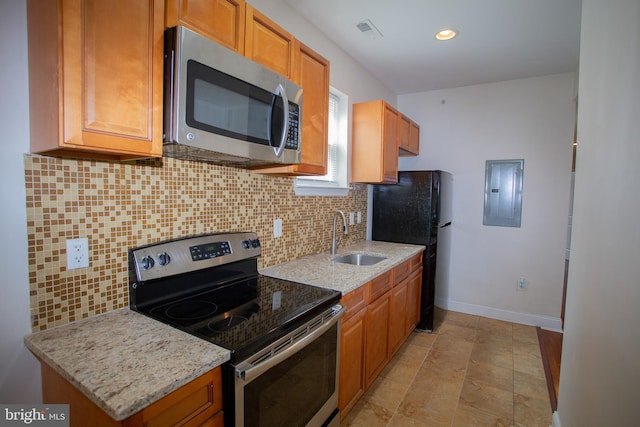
x,y
248,371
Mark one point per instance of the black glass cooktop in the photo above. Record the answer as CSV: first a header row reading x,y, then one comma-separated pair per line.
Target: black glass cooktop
x,y
244,315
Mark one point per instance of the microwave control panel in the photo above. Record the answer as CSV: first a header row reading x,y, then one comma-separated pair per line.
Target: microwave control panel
x,y
293,134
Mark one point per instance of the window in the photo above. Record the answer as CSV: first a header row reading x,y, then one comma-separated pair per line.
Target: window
x,y
334,183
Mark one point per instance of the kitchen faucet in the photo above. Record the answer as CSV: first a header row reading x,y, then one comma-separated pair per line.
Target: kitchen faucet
x,y
334,244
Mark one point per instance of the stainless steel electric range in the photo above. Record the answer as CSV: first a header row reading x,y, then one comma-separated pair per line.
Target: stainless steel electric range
x,y
283,336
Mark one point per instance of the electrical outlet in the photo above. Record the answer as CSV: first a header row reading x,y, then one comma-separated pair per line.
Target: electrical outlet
x,y
359,217
77,253
277,227
352,218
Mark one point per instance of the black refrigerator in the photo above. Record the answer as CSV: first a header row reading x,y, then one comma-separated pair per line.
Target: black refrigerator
x,y
417,210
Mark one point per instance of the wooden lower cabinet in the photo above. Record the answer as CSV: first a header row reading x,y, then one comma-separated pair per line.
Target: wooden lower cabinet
x,y
380,316
414,293
351,386
376,338
197,403
398,316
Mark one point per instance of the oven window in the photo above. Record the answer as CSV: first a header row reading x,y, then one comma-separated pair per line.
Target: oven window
x,y
291,393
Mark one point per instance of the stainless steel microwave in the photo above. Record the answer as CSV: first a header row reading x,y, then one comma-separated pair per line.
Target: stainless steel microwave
x,y
222,107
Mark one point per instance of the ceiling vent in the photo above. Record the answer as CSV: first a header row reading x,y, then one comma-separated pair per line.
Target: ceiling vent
x,y
367,28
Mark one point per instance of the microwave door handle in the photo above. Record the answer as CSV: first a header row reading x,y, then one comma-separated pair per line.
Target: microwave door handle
x,y
285,122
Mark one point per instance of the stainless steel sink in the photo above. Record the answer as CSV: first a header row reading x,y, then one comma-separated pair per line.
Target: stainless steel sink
x,y
359,259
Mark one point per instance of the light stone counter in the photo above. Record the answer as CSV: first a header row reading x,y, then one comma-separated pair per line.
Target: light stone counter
x,y
124,361
318,269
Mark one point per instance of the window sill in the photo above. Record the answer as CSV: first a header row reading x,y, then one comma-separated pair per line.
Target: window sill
x,y
321,191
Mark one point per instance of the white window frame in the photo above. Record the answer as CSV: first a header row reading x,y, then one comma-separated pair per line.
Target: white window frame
x,y
335,183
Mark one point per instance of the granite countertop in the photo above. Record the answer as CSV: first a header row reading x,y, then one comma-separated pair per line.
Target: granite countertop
x,y
318,270
124,361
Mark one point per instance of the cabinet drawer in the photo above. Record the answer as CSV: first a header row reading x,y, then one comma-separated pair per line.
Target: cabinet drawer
x,y
401,272
353,302
416,262
192,404
378,286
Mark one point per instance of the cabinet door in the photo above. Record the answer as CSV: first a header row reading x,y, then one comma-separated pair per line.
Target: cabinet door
x,y
219,20
390,145
414,139
351,362
313,77
376,337
398,316
414,290
106,60
374,152
408,137
404,126
195,403
269,44
216,421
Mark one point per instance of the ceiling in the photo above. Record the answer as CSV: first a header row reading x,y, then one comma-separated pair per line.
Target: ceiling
x,y
498,39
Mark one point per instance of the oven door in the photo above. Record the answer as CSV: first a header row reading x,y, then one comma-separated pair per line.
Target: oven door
x,y
294,382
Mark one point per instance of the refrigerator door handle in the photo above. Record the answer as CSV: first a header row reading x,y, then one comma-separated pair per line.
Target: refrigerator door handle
x,y
446,224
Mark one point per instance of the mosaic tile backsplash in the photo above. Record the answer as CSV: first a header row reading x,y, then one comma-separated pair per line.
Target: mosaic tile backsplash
x,y
118,206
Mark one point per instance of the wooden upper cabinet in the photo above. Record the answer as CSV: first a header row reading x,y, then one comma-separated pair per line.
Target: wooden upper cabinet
x,y
409,142
220,20
269,44
95,77
404,127
375,143
313,76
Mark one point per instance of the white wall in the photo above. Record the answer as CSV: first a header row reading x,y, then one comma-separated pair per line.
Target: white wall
x,y
531,119
600,371
19,371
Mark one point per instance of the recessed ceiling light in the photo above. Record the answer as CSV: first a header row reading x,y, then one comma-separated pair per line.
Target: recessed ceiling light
x,y
446,34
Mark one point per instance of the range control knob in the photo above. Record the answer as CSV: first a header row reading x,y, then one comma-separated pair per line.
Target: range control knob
x,y
147,262
255,243
164,258
246,244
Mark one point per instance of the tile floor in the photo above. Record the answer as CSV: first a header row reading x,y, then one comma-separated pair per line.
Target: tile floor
x,y
471,371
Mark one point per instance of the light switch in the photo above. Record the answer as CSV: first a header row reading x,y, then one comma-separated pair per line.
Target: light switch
x,y
277,227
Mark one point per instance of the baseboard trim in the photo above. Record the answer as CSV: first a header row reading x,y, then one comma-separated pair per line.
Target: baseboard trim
x,y
545,322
